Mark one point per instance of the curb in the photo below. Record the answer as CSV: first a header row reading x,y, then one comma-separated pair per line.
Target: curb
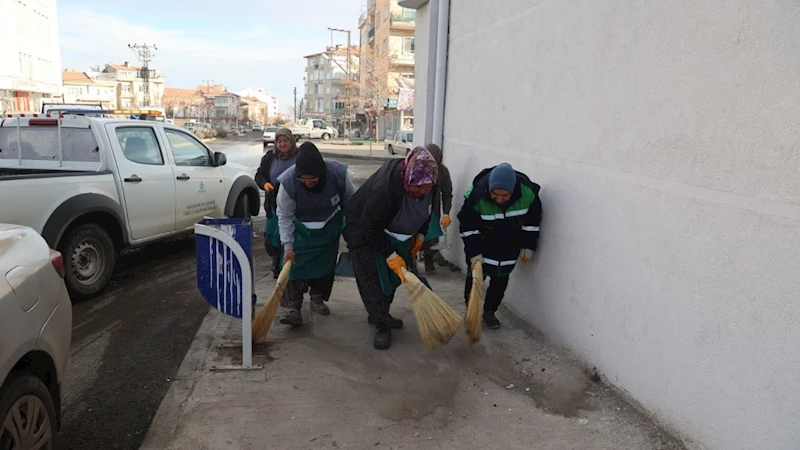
x,y
356,156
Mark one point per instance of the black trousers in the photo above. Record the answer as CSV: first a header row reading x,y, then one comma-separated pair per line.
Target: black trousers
x,y
295,289
365,268
428,253
494,294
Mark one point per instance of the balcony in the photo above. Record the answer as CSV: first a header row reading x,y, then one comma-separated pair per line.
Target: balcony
x,y
370,5
406,20
362,19
403,59
371,34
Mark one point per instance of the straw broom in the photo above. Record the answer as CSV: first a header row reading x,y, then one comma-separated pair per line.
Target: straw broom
x,y
472,321
437,322
266,316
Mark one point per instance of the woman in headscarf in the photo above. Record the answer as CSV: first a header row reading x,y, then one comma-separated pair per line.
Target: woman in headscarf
x,y
274,163
441,208
387,220
310,217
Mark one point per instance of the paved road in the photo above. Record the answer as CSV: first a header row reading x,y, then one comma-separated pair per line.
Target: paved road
x,y
128,343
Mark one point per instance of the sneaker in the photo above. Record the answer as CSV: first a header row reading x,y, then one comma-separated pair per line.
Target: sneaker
x,y
430,267
393,322
491,321
318,306
383,337
292,317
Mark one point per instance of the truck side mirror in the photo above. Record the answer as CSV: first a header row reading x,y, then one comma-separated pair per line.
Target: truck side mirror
x,y
220,159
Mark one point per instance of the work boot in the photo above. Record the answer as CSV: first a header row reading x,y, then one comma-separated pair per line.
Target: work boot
x,y
292,317
394,323
490,320
430,267
318,306
383,336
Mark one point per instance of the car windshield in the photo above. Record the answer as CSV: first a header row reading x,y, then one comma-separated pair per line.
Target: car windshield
x,y
272,129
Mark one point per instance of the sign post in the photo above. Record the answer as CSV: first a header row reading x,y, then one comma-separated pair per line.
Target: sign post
x,y
225,276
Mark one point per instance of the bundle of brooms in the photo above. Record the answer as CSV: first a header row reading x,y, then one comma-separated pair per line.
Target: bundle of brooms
x,y
472,321
266,316
437,321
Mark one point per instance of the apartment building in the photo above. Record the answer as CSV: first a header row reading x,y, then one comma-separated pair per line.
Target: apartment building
x,y
79,87
130,85
327,90
270,101
387,70
30,55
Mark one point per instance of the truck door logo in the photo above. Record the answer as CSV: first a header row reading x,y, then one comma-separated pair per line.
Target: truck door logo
x,y
202,188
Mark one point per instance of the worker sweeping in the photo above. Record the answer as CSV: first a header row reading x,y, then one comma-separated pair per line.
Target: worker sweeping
x,y
387,220
499,223
310,214
274,163
440,216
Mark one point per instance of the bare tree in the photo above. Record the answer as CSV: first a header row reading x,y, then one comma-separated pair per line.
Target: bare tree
x,y
375,71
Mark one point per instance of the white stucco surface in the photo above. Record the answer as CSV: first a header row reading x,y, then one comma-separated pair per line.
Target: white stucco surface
x,y
666,136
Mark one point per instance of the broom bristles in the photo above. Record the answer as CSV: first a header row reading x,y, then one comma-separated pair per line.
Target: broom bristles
x,y
266,316
437,322
472,321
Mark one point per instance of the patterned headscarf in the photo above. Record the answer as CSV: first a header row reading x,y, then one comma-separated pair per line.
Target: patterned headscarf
x,y
419,168
287,133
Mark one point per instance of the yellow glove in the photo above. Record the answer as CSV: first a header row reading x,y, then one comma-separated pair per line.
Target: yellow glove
x,y
446,222
268,187
397,264
526,254
416,246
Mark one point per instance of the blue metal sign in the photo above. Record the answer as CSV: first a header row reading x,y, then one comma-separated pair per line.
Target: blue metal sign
x,y
219,275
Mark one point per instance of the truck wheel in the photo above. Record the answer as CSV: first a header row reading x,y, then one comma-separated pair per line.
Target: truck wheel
x,y
391,150
89,257
26,404
242,208
326,136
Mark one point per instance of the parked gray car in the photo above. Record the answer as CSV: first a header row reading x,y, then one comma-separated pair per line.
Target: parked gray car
x,y
35,332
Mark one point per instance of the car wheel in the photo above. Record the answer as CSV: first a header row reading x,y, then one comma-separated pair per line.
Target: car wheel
x,y
326,136
242,208
391,149
28,415
89,257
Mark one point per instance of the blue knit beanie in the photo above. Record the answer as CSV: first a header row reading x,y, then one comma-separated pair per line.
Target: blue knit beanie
x,y
503,177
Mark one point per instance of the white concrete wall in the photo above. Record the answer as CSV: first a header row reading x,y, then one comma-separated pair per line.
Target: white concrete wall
x,y
666,136
422,106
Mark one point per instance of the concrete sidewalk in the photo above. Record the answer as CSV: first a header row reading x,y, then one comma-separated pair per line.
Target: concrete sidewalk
x,y
325,387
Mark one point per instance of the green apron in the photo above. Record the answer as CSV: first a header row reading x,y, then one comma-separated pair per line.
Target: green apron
x,y
434,228
272,234
315,250
389,280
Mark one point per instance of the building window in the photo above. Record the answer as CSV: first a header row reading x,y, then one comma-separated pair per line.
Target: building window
x,y
378,18
408,45
126,88
386,12
385,47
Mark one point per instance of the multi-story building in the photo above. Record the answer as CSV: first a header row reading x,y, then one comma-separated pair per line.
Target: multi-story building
x,y
130,85
222,107
270,101
30,55
387,66
328,89
184,105
79,87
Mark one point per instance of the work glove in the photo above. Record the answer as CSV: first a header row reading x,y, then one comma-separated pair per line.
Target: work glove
x,y
526,254
475,259
416,246
446,222
397,264
268,187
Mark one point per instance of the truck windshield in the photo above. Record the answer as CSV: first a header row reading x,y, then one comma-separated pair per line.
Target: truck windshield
x,y
41,143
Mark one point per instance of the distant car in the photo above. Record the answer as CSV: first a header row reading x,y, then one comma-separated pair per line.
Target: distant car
x,y
35,329
401,143
269,135
257,128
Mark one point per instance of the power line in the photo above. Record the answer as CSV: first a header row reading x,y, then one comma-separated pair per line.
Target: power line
x,y
143,53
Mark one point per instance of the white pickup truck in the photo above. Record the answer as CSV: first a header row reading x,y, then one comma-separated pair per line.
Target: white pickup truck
x,y
92,187
313,129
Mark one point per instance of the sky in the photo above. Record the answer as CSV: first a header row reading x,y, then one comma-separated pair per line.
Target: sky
x,y
238,43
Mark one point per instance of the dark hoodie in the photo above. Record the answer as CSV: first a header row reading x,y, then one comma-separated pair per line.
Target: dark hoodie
x,y
265,174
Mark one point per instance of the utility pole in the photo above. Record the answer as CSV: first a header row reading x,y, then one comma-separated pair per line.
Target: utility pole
x,y
208,92
143,53
348,85
295,105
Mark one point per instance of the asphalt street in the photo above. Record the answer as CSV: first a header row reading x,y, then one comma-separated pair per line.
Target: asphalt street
x,y
128,343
